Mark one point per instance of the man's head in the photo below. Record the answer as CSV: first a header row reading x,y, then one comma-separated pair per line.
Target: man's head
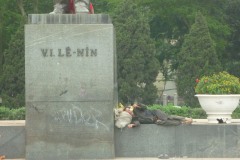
x,y
128,109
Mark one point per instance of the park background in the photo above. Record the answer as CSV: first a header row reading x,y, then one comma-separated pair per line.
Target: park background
x,y
153,40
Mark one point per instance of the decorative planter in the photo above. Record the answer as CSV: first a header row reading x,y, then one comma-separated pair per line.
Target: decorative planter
x,y
219,106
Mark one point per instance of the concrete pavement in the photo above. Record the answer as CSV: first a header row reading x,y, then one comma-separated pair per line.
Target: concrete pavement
x,y
178,159
125,158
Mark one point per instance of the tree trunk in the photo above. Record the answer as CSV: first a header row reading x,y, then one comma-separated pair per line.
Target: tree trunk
x,y
35,9
20,6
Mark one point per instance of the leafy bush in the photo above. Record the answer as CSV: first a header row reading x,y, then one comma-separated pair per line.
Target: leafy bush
x,y
4,113
236,113
12,114
221,83
195,113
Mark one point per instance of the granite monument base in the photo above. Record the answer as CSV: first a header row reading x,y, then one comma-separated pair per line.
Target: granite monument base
x,y
71,88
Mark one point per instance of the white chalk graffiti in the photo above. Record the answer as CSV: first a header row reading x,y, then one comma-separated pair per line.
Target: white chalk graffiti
x,y
75,115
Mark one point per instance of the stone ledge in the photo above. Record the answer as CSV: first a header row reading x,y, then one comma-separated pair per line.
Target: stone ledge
x,y
12,123
69,19
205,122
193,141
12,139
195,122
200,140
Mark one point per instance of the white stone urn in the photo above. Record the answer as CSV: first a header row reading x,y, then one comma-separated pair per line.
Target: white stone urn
x,y
219,106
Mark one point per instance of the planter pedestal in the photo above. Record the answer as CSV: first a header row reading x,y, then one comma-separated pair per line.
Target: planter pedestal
x,y
219,106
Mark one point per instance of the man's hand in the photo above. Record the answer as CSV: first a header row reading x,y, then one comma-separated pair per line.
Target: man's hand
x,y
130,125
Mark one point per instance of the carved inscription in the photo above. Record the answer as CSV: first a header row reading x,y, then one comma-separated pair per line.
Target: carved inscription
x,y
68,52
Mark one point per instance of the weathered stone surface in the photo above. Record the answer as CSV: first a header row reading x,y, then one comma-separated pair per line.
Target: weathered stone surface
x,y
70,130
197,141
69,19
12,141
69,62
70,87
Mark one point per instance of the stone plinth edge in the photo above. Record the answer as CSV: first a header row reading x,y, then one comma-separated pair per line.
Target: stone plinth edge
x,y
69,19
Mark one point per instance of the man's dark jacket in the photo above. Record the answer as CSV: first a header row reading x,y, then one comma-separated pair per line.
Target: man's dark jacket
x,y
146,116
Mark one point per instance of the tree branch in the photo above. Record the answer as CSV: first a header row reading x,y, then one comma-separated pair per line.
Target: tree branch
x,y
20,6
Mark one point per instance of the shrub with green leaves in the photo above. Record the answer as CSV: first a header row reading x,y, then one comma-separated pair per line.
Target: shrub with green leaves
x,y
195,113
4,113
236,113
12,114
221,83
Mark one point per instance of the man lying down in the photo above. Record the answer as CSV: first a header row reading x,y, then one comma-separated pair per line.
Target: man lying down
x,y
136,114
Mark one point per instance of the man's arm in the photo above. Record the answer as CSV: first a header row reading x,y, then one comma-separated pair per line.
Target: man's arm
x,y
142,107
134,124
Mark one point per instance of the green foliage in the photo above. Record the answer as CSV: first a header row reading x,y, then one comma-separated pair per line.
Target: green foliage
x,y
105,6
196,113
137,65
12,80
4,113
10,20
166,54
172,19
18,114
231,58
168,19
12,114
149,94
220,83
196,58
40,7
236,113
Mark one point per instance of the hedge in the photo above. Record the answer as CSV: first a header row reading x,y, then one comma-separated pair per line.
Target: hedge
x,y
12,114
195,113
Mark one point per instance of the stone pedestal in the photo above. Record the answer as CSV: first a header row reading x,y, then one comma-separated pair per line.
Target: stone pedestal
x,y
70,70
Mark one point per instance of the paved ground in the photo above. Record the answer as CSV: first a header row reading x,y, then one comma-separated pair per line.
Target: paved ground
x,y
166,159
178,159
